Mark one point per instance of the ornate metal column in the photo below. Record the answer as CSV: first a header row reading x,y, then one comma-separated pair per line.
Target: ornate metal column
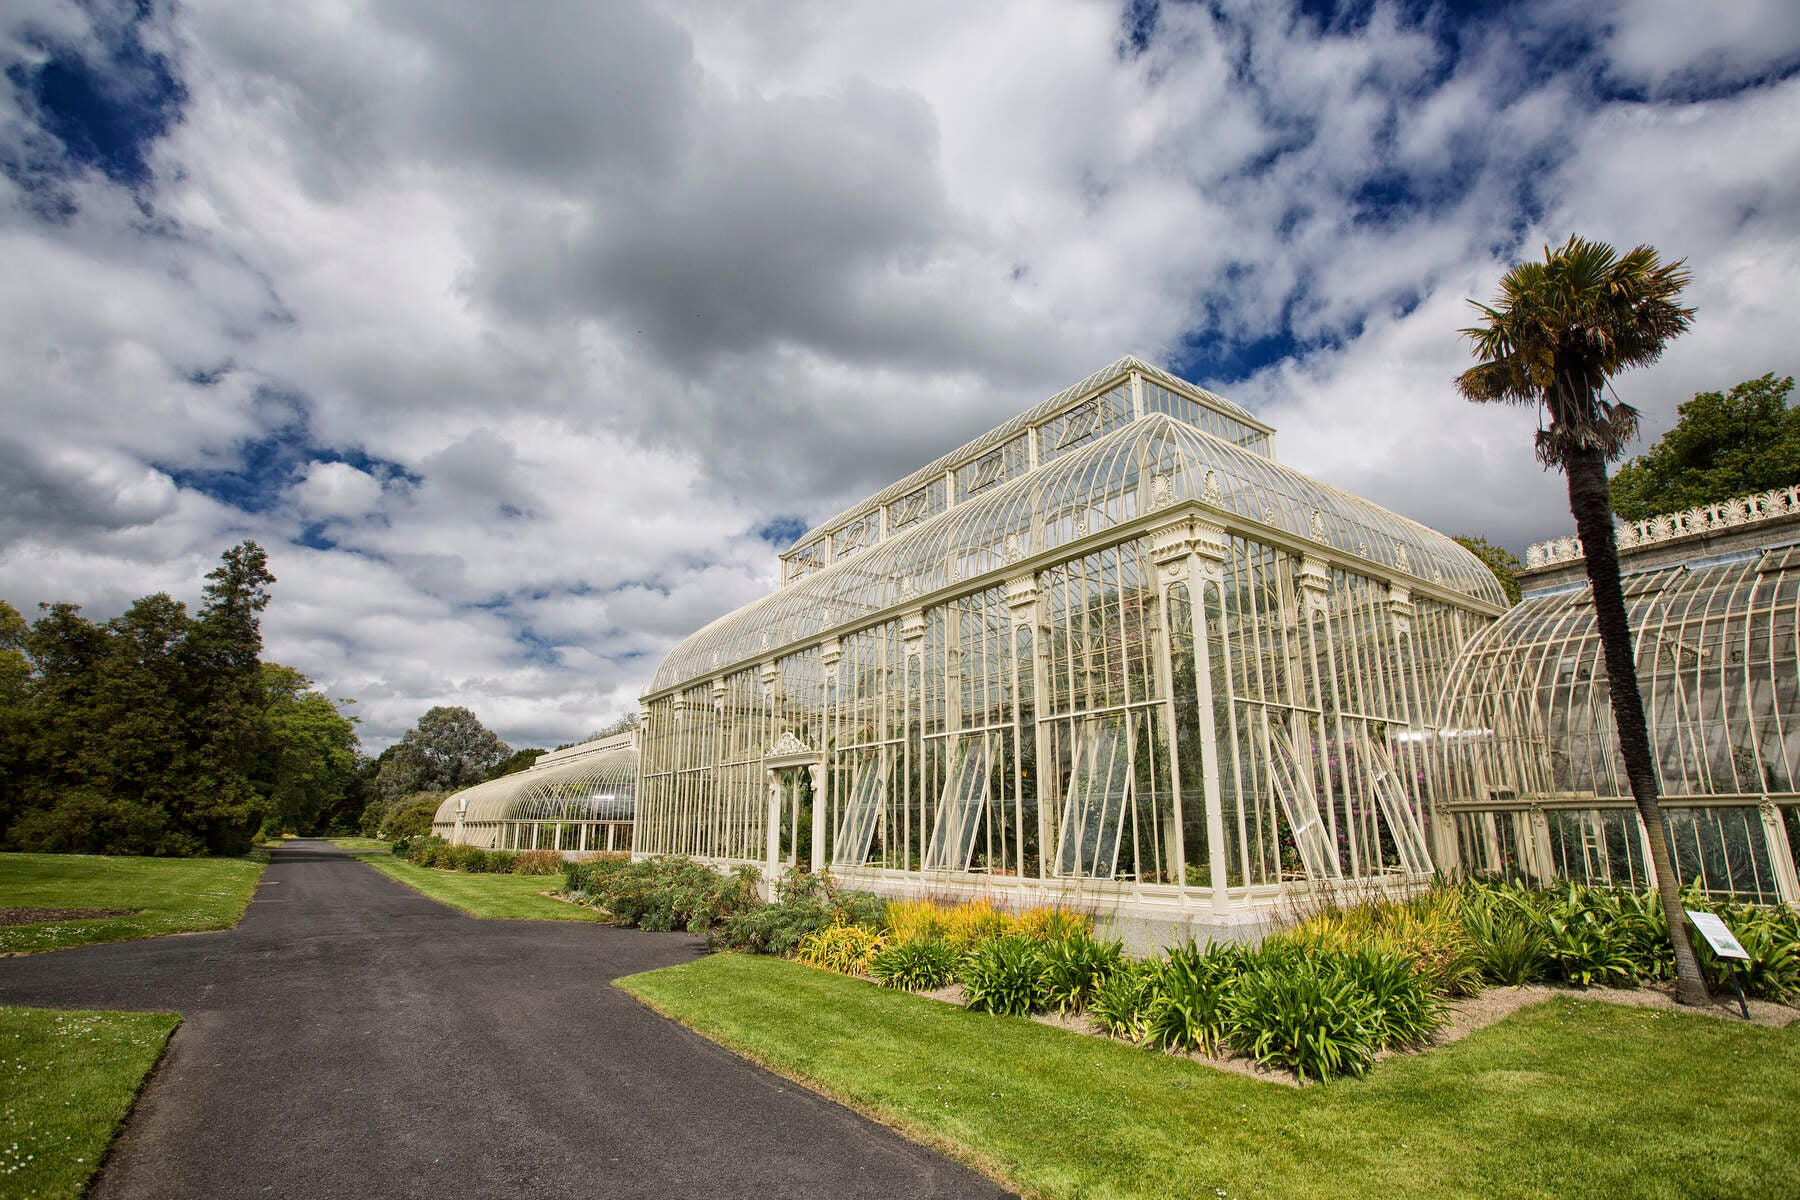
x,y
1024,600
1191,551
830,655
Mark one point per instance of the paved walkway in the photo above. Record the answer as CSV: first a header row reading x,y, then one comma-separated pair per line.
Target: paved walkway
x,y
351,1038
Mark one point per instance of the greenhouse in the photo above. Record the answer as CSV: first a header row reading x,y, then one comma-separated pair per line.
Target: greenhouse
x,y
578,800
1537,787
1111,653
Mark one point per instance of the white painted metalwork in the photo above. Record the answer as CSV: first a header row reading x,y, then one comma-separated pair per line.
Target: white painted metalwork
x,y
1537,787
1058,664
1668,527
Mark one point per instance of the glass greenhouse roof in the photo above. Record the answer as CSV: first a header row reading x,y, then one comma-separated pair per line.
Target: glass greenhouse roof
x,y
594,781
1151,462
1095,406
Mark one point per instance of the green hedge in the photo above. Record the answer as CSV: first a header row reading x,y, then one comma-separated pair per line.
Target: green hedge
x,y
439,854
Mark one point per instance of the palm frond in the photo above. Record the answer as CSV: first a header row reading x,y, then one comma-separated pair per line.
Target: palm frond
x,y
1561,328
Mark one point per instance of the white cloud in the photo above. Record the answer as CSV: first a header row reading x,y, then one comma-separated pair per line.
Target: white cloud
x,y
505,331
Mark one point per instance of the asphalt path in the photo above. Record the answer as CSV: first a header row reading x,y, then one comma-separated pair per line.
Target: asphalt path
x,y
352,1038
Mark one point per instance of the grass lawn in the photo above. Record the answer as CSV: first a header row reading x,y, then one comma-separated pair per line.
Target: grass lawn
x,y
363,845
514,896
67,1080
1568,1098
169,895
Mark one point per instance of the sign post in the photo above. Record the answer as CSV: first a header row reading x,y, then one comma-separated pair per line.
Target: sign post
x,y
1723,944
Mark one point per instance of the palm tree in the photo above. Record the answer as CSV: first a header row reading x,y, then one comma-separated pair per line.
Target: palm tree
x,y
1557,334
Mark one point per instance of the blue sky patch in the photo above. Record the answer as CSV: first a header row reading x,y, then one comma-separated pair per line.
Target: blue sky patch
x,y
105,103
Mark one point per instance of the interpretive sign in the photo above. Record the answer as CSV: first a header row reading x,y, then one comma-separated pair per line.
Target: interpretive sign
x,y
1717,935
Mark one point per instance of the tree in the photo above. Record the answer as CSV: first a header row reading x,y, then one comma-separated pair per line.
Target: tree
x,y
1724,445
1556,335
225,704
448,749
140,735
1502,562
519,760
310,751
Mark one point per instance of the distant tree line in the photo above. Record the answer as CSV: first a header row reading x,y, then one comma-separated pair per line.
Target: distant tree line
x,y
163,731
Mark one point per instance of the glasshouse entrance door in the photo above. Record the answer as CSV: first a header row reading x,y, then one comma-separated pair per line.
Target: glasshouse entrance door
x,y
796,835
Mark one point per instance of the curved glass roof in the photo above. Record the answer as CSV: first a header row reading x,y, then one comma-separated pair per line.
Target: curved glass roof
x,y
596,781
1105,483
1718,663
1236,417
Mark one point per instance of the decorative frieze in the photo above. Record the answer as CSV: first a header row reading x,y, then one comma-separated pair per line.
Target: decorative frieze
x,y
1314,583
1666,527
1022,596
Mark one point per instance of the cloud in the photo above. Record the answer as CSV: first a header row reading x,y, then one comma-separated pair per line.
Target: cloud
x,y
336,489
507,331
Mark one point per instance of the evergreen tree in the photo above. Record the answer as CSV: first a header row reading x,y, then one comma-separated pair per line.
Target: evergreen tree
x,y
226,730
1552,341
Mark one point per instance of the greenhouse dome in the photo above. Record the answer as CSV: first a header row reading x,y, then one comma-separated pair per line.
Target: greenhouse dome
x,y
577,800
1110,653
1537,786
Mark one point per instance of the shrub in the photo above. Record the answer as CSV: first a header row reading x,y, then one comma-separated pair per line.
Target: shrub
x,y
421,849
769,928
1189,1005
1051,923
1073,965
1585,941
840,947
1401,1009
858,908
472,859
1302,1013
537,862
921,965
913,920
662,894
1508,935
91,822
968,925
1122,1000
1002,975
1430,929
589,874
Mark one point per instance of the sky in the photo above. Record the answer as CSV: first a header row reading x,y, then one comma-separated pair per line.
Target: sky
x,y
523,337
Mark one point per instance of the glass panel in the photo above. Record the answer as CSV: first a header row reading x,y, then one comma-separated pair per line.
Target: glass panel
x,y
862,813
1724,850
1093,813
959,809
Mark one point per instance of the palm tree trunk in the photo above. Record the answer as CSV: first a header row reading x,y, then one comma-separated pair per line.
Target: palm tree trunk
x,y
1591,503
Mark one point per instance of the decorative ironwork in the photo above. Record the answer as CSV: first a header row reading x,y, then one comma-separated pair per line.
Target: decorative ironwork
x,y
1666,527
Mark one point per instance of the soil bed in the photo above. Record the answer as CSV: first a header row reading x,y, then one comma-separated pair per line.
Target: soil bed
x,y
38,916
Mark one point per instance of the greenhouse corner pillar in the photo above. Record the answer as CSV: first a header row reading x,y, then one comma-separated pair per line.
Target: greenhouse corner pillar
x,y
1192,552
